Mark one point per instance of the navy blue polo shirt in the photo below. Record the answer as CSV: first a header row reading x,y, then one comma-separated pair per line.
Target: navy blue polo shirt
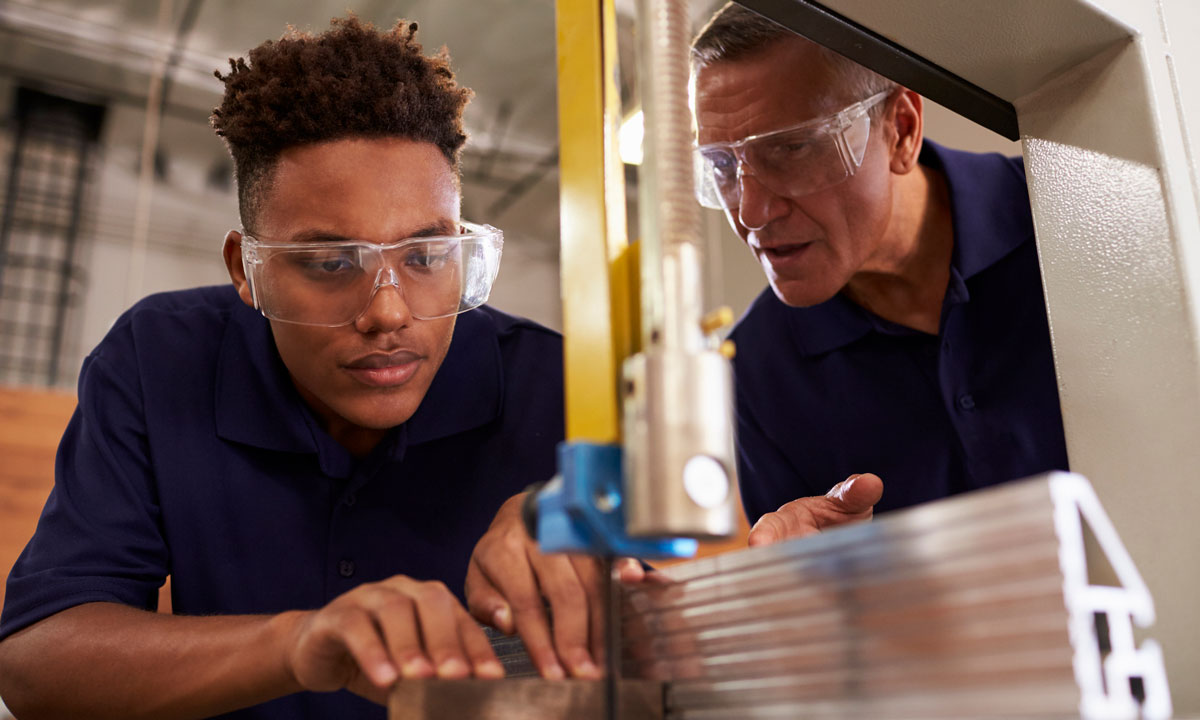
x,y
192,454
831,390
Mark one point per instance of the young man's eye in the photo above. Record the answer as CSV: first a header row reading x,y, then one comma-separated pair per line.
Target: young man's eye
x,y
431,257
427,259
326,264
335,264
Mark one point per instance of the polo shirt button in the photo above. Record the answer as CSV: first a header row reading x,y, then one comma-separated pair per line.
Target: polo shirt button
x,y
966,402
346,568
349,500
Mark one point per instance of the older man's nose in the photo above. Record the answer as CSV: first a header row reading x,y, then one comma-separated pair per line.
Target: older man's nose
x,y
757,204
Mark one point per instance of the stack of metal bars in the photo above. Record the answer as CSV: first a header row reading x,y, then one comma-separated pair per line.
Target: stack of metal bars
x,y
954,609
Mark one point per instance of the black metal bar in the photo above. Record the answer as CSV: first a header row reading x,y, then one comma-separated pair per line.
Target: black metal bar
x,y
872,50
72,239
14,177
190,13
525,183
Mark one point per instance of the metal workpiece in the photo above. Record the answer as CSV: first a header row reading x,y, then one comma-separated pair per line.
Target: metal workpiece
x,y
978,606
974,607
679,454
521,699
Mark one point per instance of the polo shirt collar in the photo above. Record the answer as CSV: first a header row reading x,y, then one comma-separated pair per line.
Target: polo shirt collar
x,y
984,188
468,390
828,326
985,230
257,404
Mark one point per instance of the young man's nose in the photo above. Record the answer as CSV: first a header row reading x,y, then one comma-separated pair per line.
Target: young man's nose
x,y
757,204
387,310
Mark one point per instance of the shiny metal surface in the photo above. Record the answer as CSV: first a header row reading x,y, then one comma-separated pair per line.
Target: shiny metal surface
x,y
979,606
678,396
522,699
677,410
972,607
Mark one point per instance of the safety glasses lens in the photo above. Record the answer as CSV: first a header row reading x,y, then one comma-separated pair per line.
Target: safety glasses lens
x,y
332,285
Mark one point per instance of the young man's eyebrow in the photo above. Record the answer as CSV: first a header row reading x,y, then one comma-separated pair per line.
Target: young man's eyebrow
x,y
441,227
313,236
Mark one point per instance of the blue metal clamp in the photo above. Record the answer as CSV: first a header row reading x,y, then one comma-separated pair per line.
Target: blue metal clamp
x,y
581,509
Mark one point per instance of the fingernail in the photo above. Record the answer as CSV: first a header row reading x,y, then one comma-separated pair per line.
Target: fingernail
x,y
453,668
553,672
489,669
838,492
385,673
417,668
587,669
502,619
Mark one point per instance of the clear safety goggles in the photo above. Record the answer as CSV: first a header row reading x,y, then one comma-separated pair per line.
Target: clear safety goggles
x,y
792,162
332,283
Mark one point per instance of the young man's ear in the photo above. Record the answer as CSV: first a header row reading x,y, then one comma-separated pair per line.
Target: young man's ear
x,y
905,118
232,253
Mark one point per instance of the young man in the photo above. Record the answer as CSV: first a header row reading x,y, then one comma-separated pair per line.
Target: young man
x,y
313,480
904,330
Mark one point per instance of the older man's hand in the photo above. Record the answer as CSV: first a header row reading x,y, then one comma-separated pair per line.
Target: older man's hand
x,y
851,500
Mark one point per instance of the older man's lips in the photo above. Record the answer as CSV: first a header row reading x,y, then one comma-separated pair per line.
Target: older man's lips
x,y
784,255
384,369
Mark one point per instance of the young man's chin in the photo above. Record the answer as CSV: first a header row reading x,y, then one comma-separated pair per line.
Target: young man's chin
x,y
381,413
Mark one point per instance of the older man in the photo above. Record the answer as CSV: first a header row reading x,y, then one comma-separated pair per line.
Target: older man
x,y
904,330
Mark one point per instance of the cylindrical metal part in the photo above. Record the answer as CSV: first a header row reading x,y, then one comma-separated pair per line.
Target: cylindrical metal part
x,y
669,218
678,416
678,446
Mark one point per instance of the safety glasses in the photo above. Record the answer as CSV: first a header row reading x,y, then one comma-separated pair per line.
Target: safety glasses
x,y
330,284
792,162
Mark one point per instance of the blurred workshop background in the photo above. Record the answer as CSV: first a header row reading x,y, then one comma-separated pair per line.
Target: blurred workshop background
x,y
114,186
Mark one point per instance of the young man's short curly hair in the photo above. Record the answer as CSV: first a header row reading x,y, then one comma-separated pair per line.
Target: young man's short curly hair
x,y
350,81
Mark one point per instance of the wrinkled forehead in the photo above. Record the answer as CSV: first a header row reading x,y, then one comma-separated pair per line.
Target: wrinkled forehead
x,y
789,82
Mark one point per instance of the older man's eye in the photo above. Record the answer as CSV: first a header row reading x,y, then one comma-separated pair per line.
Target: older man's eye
x,y
722,163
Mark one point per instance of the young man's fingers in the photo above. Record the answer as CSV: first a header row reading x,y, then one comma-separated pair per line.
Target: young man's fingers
x,y
485,602
569,603
516,583
438,613
396,616
629,570
589,570
359,635
479,651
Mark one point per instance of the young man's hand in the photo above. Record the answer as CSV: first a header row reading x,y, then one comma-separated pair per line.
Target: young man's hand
x,y
851,500
378,633
509,581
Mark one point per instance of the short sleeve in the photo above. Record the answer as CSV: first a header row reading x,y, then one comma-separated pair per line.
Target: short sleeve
x,y
99,537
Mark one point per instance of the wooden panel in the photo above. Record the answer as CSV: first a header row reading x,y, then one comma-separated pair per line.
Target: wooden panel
x,y
31,424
